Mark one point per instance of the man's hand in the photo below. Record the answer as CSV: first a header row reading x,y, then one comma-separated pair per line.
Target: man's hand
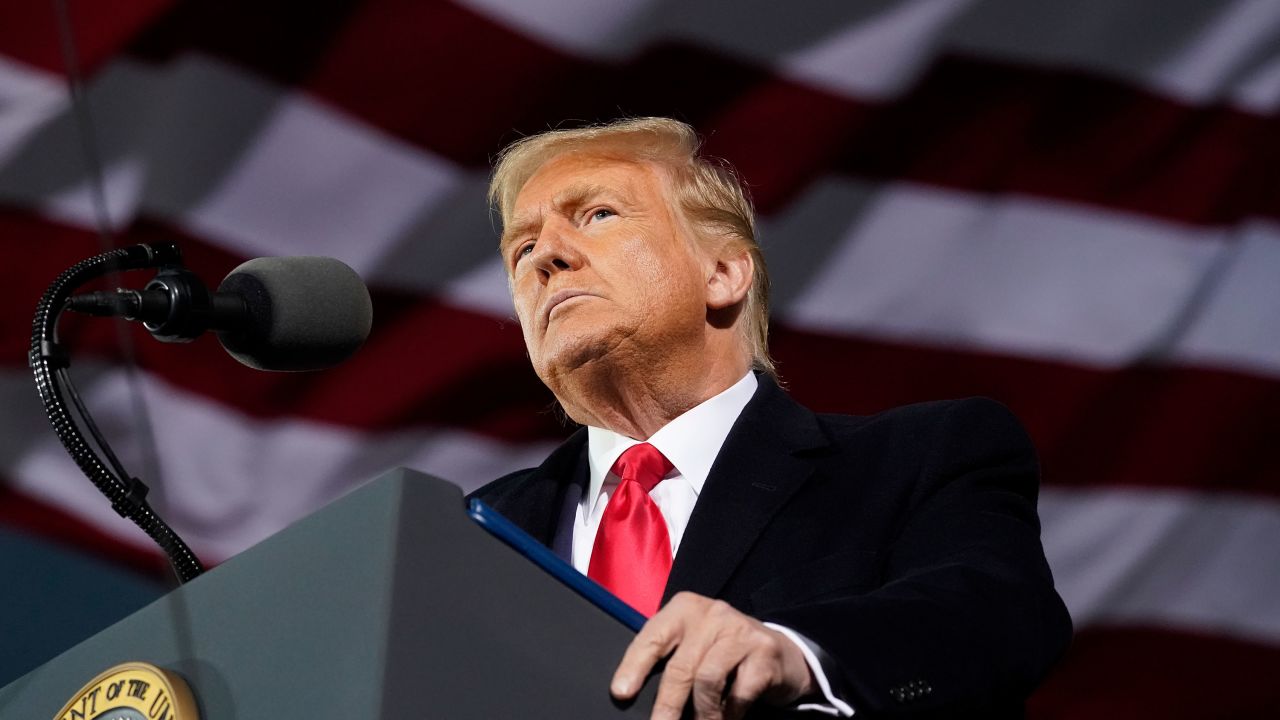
x,y
725,659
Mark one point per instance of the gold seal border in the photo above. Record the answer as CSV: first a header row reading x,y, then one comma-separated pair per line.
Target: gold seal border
x,y
182,701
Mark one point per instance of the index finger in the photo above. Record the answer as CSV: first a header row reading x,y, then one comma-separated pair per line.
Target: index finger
x,y
659,636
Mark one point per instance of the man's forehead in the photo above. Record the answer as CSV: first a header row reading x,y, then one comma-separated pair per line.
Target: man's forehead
x,y
573,175
568,180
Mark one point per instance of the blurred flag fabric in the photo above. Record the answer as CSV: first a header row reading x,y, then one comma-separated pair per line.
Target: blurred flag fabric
x,y
1073,208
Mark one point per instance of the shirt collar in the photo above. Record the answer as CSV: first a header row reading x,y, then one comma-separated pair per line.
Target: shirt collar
x,y
691,441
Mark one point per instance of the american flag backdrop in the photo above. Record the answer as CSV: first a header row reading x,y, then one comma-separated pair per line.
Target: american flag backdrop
x,y
1072,207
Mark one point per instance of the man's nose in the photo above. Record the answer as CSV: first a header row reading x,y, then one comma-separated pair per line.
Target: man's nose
x,y
558,248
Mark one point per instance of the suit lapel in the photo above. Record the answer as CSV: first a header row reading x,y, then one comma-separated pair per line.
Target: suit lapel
x,y
539,505
755,474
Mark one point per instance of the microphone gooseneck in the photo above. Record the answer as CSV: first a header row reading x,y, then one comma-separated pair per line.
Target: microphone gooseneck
x,y
49,362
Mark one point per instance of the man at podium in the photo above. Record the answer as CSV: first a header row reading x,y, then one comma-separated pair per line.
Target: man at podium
x,y
839,564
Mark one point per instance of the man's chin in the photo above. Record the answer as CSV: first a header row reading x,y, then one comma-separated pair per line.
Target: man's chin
x,y
567,356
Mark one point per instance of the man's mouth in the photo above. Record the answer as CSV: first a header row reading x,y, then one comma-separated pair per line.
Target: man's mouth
x,y
559,298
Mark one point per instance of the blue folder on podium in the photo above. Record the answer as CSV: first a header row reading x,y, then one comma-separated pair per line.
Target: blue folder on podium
x,y
543,557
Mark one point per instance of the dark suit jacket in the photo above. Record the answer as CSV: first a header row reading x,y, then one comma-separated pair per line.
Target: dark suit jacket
x,y
905,544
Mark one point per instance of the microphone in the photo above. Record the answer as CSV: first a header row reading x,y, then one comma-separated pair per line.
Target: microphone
x,y
285,313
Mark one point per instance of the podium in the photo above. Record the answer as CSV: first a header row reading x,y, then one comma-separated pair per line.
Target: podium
x,y
388,603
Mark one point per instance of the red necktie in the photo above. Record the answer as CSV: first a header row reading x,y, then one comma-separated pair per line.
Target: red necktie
x,y
632,553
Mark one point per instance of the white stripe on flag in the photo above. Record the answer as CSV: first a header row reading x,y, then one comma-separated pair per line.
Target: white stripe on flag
x,y
1204,562
29,98
878,57
297,177
228,481
1043,279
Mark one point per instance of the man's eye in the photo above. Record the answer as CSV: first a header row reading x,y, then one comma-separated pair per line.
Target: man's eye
x,y
602,213
524,250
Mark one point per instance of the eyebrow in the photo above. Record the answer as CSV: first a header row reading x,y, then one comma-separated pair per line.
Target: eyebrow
x,y
571,197
514,230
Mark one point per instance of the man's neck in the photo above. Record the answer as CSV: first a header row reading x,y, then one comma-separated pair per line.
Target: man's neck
x,y
640,401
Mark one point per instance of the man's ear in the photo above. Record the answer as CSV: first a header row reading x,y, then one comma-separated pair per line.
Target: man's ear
x,y
729,278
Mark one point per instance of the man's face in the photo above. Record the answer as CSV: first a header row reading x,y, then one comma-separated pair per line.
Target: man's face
x,y
601,266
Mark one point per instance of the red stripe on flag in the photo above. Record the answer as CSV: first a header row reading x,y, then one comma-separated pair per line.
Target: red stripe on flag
x,y
987,127
427,363
282,41
29,31
969,124
1132,673
411,69
1145,425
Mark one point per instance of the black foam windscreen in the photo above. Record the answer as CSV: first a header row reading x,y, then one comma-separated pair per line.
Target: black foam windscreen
x,y
306,313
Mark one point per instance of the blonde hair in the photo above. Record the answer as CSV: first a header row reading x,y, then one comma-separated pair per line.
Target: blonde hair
x,y
708,191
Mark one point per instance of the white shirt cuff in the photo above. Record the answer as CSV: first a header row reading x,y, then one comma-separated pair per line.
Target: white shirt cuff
x,y
833,706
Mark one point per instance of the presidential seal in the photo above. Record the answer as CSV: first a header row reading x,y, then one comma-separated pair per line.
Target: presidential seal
x,y
132,691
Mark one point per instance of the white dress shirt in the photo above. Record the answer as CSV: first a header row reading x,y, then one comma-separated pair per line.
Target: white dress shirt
x,y
691,442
